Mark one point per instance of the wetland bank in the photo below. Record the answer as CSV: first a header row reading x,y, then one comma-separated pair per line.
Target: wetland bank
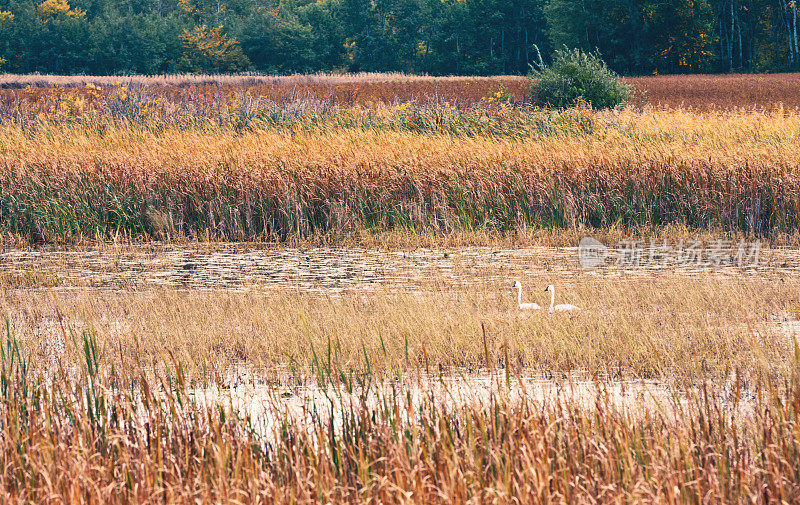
x,y
361,379
295,300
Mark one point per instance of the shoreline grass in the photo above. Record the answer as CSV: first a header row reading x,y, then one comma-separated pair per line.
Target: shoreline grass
x,y
409,240
414,170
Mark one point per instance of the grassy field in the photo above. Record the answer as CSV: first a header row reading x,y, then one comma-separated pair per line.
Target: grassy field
x,y
206,290
111,439
118,437
638,327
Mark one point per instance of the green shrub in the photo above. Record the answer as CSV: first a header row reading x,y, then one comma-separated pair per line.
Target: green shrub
x,y
576,76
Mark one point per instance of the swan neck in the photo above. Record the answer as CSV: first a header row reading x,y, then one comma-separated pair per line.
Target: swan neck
x,y
552,298
519,295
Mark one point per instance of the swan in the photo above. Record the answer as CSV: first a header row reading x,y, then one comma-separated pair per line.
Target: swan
x,y
564,307
524,306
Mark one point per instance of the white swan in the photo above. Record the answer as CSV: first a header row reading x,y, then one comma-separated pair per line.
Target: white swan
x,y
564,307
524,306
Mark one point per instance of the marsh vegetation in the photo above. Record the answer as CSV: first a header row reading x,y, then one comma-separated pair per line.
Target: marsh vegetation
x,y
219,293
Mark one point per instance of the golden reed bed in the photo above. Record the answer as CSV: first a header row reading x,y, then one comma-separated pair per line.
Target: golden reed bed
x,y
172,170
643,327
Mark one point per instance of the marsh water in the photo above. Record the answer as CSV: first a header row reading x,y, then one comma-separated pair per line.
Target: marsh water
x,y
250,266
329,270
268,405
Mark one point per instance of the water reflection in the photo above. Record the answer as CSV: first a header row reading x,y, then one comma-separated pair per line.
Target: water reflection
x,y
247,266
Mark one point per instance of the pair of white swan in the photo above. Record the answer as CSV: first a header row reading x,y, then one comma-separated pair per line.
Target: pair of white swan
x,y
563,307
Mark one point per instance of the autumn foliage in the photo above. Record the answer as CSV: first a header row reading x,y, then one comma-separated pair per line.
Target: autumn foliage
x,y
208,50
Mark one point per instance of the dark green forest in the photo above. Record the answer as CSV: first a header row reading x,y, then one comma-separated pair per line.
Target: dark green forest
x,y
438,37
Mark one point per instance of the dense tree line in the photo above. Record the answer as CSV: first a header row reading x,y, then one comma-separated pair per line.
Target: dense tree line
x,y
423,36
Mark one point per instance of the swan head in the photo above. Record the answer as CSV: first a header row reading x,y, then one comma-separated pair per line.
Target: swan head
x,y
517,285
550,288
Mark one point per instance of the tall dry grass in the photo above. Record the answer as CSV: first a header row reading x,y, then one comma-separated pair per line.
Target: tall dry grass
x,y
366,90
246,169
719,92
88,432
18,81
102,396
668,327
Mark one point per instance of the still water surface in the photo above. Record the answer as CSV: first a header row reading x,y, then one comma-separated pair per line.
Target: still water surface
x,y
249,266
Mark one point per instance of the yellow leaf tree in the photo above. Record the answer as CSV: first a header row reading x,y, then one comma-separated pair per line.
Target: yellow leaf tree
x,y
58,9
6,18
210,51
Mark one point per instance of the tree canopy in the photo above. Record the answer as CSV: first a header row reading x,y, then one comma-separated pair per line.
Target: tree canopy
x,y
437,37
